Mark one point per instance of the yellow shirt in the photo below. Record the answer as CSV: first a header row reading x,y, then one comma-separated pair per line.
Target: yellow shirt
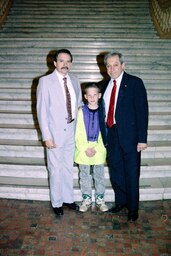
x,y
82,144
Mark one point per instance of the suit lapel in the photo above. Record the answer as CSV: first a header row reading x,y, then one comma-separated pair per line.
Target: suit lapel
x,y
56,88
74,85
122,89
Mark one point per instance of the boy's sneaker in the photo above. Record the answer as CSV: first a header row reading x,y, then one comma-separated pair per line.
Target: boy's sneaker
x,y
101,204
86,204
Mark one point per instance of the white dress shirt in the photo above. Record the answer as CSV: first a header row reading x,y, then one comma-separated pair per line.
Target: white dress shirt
x,y
108,92
71,91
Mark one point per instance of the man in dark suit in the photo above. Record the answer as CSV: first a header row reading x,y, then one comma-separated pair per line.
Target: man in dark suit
x,y
123,120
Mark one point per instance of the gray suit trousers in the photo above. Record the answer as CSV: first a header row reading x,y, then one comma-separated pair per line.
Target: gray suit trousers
x,y
60,167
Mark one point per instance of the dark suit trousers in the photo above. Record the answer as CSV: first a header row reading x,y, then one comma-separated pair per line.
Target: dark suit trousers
x,y
124,170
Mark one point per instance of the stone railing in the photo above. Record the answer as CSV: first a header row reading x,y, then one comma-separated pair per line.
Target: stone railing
x,y
5,6
161,15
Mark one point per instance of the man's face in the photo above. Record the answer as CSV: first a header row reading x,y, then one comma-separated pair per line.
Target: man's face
x,y
63,63
114,67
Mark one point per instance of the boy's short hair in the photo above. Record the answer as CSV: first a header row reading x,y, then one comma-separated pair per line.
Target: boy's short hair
x,y
91,85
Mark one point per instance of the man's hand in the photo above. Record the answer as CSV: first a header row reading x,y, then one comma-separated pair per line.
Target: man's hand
x,y
141,146
50,144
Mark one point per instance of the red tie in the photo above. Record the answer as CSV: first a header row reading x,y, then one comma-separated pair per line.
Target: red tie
x,y
68,100
110,117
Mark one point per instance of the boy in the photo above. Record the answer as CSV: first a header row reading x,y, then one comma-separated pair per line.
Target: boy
x,y
90,153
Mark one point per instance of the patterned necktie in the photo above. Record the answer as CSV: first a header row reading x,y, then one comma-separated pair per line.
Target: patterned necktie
x,y
110,117
68,101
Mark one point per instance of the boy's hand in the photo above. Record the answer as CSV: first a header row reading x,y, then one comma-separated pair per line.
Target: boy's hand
x,y
90,152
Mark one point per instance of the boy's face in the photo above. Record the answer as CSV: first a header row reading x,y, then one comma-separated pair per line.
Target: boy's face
x,y
92,96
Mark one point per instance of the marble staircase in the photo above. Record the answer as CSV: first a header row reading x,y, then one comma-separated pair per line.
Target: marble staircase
x,y
88,28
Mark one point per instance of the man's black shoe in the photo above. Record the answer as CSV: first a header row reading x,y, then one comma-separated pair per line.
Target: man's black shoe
x,y
72,206
117,208
132,215
58,211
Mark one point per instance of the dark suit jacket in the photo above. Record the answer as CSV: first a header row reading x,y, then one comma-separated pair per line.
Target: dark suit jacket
x,y
131,112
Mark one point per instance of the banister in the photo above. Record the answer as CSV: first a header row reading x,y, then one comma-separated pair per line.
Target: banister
x,y
161,16
5,6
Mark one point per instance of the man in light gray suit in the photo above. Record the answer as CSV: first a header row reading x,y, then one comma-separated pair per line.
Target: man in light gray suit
x,y
57,130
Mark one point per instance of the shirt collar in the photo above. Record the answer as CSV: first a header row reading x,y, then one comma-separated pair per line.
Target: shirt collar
x,y
60,77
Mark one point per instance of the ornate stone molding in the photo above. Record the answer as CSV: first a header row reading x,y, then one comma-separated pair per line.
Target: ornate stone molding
x,y
161,15
5,6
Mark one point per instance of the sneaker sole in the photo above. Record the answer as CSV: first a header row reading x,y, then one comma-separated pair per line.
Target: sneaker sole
x,y
85,210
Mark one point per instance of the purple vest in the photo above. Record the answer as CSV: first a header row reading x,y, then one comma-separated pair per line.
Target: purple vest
x,y
91,122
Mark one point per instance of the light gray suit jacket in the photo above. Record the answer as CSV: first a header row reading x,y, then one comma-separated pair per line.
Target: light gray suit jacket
x,y
51,107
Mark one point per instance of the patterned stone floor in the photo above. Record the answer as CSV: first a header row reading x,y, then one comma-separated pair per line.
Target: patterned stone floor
x,y
31,228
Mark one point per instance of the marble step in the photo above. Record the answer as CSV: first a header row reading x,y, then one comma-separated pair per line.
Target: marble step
x,y
113,34
28,106
88,25
81,65
90,6
25,98
87,75
22,83
96,9
29,119
75,28
154,134
159,106
30,74
19,148
149,168
41,44
77,6
80,2
85,11
89,64
136,67
32,80
21,106
21,180
85,20
144,31
72,22
28,91
28,86
159,119
150,189
43,181
19,134
34,53
85,46
159,135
